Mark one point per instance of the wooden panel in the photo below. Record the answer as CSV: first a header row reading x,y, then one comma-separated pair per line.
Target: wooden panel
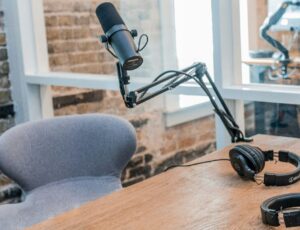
x,y
209,196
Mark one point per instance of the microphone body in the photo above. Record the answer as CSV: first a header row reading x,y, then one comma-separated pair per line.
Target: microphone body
x,y
119,37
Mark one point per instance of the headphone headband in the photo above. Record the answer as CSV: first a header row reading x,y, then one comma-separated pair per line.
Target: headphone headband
x,y
272,179
271,208
248,161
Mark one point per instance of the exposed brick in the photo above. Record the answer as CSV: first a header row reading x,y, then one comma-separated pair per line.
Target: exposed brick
x,y
2,39
81,6
140,171
123,175
4,82
78,58
140,149
199,151
5,96
2,20
133,181
108,68
61,47
6,124
4,68
53,34
187,142
104,56
148,158
95,32
139,123
3,54
58,60
66,34
135,161
88,45
51,20
93,96
82,20
81,33
176,159
6,111
57,6
65,20
87,68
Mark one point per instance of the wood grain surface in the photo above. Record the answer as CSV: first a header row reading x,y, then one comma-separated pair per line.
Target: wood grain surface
x,y
209,196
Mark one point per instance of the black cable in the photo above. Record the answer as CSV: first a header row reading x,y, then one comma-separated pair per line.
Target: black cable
x,y
109,50
163,74
171,71
173,81
140,41
198,163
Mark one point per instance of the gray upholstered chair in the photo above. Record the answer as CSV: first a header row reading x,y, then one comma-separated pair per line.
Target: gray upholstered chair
x,y
62,163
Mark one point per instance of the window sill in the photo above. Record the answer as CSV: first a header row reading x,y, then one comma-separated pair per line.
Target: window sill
x,y
180,116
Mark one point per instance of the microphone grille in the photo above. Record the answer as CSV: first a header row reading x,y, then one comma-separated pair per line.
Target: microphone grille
x,y
108,16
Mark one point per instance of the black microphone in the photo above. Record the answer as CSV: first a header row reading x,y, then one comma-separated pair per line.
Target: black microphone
x,y
118,36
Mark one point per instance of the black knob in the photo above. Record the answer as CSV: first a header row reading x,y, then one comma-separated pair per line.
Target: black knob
x,y
103,39
134,33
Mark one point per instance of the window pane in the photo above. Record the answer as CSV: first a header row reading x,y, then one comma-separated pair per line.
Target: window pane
x,y
194,39
272,119
186,101
146,17
260,58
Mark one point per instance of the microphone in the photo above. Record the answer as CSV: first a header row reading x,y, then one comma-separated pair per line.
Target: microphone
x,y
118,36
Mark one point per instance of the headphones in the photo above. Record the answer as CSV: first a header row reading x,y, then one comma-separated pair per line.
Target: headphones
x,y
248,161
272,207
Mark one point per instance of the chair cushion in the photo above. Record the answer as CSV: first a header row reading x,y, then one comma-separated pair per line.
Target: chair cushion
x,y
55,198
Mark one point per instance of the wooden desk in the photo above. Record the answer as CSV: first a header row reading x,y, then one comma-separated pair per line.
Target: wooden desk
x,y
209,196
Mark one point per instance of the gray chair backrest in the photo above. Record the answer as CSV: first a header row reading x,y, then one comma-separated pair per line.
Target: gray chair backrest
x,y
37,153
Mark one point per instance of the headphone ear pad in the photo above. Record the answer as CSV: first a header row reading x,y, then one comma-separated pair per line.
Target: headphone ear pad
x,y
256,156
241,166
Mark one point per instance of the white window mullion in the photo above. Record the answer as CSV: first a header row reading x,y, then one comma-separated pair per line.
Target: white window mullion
x,y
17,53
41,52
226,51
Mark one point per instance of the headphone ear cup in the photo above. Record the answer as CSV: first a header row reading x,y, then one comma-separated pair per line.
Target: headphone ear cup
x,y
257,155
240,165
261,157
247,160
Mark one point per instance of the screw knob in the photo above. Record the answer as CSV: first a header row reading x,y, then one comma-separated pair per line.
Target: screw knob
x,y
103,39
134,33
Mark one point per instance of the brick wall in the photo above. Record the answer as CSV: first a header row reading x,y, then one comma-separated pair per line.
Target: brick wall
x,y
6,107
72,31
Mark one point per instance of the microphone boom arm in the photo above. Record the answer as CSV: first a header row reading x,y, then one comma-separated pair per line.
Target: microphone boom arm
x,y
194,72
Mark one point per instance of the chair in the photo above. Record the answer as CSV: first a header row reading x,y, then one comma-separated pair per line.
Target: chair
x,y
62,163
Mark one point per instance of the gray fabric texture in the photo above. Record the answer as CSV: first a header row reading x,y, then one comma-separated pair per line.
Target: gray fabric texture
x,y
62,163
50,200
37,153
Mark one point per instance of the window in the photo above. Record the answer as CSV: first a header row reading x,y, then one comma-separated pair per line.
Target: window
x,y
231,41
194,43
260,59
260,68
194,40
